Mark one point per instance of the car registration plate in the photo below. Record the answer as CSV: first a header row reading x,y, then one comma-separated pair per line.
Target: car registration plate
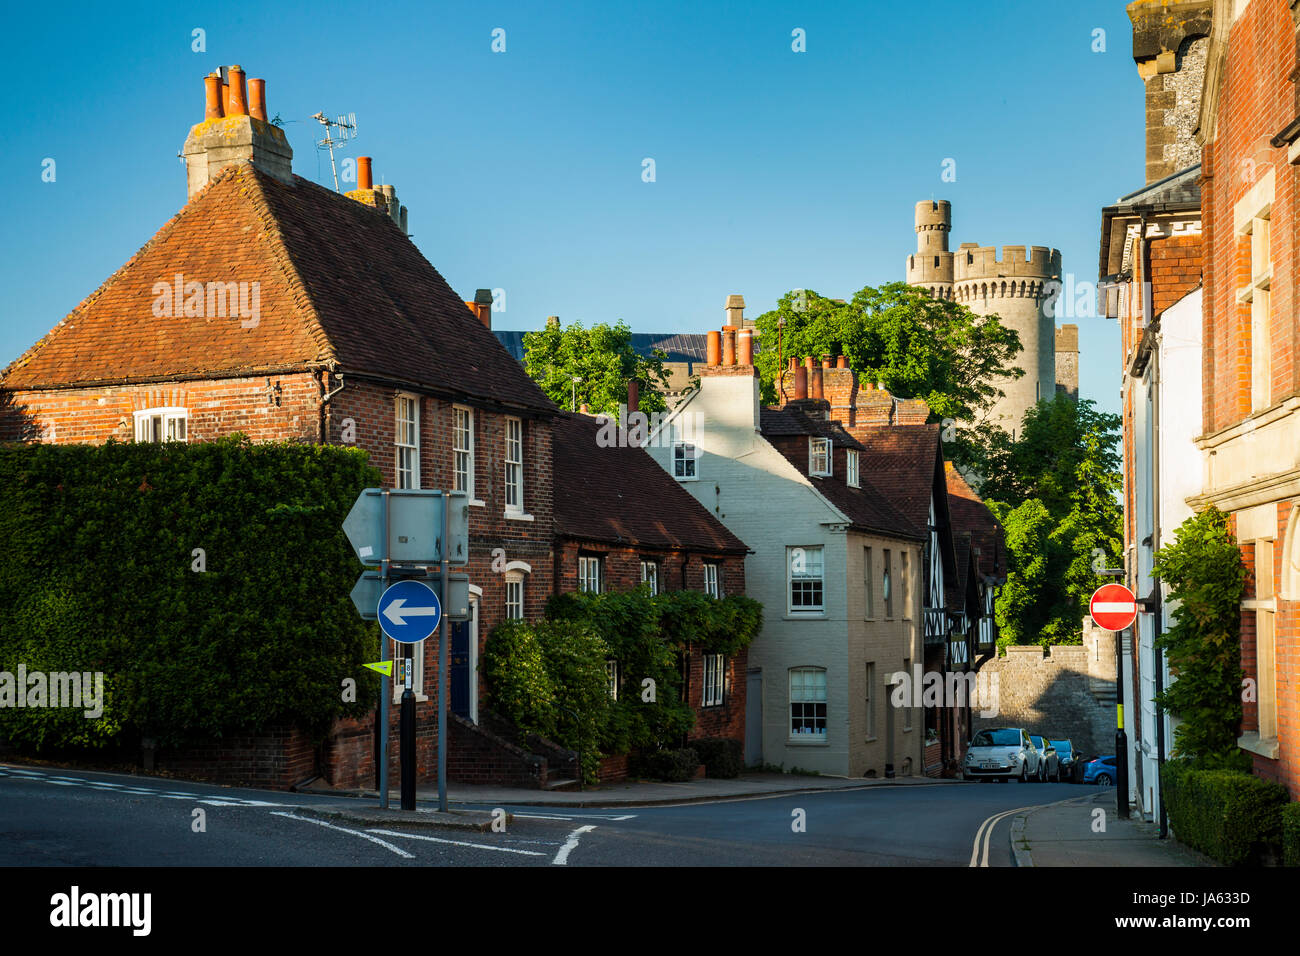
x,y
989,764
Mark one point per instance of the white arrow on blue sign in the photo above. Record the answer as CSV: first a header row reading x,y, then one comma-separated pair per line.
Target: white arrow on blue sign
x,y
409,611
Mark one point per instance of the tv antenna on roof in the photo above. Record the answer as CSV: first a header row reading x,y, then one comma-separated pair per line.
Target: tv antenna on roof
x,y
347,130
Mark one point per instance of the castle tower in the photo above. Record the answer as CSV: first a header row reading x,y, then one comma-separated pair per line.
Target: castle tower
x,y
931,265
1021,290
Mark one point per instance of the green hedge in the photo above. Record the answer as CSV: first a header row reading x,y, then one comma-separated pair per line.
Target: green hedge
x,y
1291,834
675,766
1234,818
97,573
723,757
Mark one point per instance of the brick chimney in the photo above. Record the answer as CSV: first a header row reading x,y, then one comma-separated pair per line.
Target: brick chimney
x,y
482,307
234,129
382,198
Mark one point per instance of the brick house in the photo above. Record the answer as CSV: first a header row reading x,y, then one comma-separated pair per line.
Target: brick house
x,y
621,522
1250,168
277,308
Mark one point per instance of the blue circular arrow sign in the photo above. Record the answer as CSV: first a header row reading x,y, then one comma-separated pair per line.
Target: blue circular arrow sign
x,y
409,611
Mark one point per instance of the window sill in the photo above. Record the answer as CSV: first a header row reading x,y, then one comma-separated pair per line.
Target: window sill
x,y
870,740
801,742
684,478
518,516
1268,747
475,503
805,616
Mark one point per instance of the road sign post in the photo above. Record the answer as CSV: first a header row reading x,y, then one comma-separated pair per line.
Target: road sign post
x,y
1114,608
408,532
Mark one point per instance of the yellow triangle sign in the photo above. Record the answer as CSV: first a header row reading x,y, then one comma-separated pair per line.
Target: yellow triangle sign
x,y
384,667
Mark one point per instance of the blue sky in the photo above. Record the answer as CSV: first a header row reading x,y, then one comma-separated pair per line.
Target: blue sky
x,y
522,170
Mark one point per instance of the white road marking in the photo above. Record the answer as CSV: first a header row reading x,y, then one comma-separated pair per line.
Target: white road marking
x,y
477,846
585,816
562,858
986,831
539,816
329,826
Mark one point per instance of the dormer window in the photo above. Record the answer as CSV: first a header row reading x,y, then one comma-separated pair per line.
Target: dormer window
x,y
851,468
819,456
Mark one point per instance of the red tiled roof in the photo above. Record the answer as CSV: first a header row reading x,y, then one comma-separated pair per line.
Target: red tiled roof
x,y
622,496
339,283
971,515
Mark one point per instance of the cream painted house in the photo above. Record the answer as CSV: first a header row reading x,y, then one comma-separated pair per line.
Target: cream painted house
x,y
837,568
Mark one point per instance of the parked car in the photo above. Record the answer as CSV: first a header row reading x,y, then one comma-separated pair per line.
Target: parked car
x,y
1049,767
1003,753
1069,760
1100,771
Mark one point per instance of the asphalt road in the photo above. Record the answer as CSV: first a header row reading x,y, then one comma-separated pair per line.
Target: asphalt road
x,y
70,818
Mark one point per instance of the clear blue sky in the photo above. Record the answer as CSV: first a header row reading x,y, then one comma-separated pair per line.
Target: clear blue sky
x,y
522,170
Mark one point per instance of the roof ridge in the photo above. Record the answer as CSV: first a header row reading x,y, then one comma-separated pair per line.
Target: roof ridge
x,y
280,253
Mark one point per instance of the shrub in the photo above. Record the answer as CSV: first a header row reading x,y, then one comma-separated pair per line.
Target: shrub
x,y
1291,834
575,664
1234,818
674,766
514,666
722,757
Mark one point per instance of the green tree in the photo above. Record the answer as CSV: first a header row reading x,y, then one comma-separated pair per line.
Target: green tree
x,y
898,336
1031,606
1207,581
603,360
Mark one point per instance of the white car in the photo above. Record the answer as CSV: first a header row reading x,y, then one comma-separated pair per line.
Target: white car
x,y
1003,753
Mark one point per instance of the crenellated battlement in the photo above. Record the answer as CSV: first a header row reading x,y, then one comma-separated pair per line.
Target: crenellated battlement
x,y
975,263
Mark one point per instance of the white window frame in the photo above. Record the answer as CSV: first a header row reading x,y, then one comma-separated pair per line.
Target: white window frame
x,y
514,467
514,596
686,464
167,417
590,570
406,428
611,678
650,574
462,445
851,468
819,449
905,584
804,700
715,671
712,579
819,578
887,583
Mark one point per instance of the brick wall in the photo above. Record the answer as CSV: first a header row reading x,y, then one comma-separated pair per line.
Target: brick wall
x,y
276,759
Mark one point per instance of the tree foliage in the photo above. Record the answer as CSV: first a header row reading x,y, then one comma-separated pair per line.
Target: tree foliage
x,y
900,337
602,358
1207,580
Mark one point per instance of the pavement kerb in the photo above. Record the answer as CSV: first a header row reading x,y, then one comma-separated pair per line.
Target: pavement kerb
x,y
479,821
1021,856
632,802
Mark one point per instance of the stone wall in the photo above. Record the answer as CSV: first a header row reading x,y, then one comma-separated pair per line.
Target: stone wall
x,y
1067,692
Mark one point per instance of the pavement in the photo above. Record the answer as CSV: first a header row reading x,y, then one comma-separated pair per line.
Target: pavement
x,y
1073,833
639,793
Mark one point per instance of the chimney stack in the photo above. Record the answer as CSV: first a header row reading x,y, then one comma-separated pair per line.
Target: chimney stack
x,y
633,396
736,310
552,321
383,198
482,307
815,382
229,133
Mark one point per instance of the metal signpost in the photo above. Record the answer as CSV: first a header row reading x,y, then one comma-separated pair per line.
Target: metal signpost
x,y
1113,608
414,535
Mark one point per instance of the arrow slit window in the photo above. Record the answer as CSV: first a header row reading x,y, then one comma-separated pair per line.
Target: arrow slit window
x,y
514,465
161,424
407,440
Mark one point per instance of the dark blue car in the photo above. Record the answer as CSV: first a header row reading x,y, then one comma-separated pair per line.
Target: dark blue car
x,y
1100,771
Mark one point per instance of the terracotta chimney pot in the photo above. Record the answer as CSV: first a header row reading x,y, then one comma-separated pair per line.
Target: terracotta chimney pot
x,y
364,180
212,94
257,99
745,347
728,345
713,354
801,382
842,362
238,92
815,383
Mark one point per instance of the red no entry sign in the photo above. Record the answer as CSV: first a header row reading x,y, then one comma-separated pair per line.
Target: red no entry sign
x,y
1113,607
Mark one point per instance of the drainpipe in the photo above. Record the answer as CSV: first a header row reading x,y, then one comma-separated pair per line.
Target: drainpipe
x,y
324,401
